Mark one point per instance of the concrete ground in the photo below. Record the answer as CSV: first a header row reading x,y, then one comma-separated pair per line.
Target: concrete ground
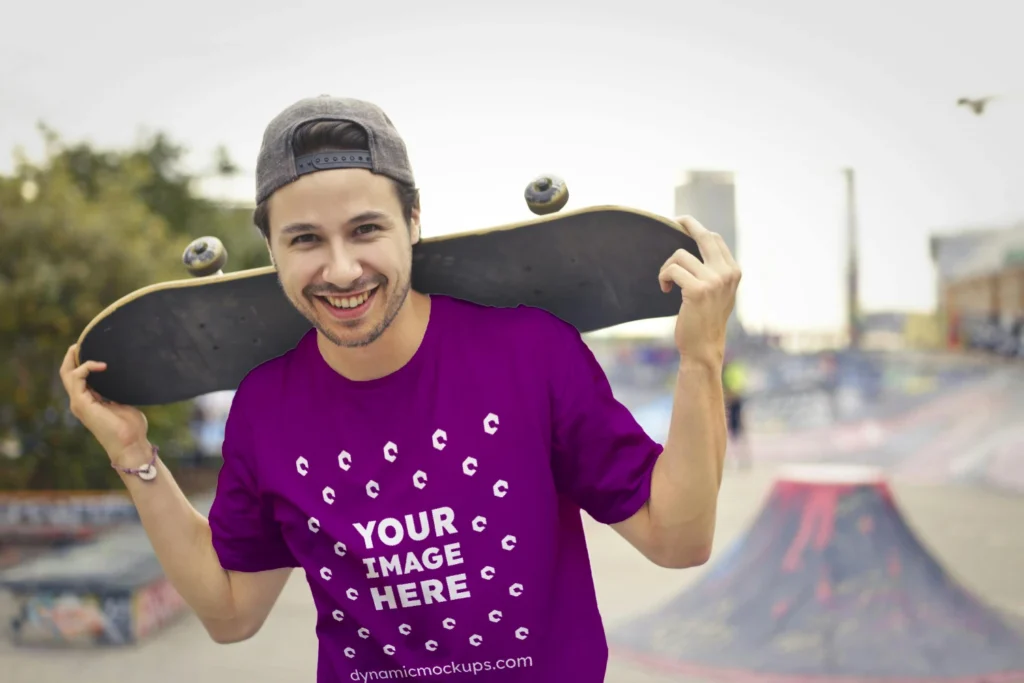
x,y
976,533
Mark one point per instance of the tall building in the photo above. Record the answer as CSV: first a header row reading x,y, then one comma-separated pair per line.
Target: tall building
x,y
710,197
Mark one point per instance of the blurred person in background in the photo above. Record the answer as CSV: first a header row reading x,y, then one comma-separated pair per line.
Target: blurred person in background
x,y
734,385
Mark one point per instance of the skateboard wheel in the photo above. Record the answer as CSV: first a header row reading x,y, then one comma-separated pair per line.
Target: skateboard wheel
x,y
205,256
546,194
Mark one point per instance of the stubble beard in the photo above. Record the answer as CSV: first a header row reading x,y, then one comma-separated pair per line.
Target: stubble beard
x,y
393,303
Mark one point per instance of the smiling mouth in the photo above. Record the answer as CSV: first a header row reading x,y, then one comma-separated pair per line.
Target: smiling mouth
x,y
354,301
345,307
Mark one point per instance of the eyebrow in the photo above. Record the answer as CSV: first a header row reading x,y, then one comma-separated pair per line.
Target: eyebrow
x,y
368,216
295,228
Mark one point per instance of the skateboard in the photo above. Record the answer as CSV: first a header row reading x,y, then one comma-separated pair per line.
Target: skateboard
x,y
593,267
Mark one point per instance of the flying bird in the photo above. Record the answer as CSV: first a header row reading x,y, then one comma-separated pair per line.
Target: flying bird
x,y
976,105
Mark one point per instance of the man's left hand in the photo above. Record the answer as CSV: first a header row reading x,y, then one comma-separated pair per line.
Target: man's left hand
x,y
708,292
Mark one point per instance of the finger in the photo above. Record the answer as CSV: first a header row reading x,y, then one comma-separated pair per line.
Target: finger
x,y
726,253
692,226
68,364
704,238
88,367
691,263
675,274
67,367
77,377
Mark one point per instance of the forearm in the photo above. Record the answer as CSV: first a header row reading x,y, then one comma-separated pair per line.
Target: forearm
x,y
182,541
688,474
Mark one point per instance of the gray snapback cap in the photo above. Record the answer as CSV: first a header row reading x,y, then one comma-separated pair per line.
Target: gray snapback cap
x,y
277,164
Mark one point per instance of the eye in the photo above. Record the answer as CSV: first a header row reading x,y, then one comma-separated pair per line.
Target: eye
x,y
304,238
367,228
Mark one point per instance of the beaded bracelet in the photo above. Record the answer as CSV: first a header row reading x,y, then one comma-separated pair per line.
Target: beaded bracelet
x,y
146,472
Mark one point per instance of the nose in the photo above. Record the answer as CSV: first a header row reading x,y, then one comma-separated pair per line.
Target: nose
x,y
342,268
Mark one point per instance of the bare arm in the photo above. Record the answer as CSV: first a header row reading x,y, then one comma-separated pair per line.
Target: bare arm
x,y
676,527
231,605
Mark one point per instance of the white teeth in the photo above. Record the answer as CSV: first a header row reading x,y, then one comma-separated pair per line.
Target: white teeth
x,y
348,302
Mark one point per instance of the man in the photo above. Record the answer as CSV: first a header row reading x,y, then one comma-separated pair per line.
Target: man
x,y
424,460
734,382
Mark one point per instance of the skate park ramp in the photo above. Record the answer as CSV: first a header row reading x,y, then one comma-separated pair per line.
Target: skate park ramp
x,y
109,591
828,583
923,419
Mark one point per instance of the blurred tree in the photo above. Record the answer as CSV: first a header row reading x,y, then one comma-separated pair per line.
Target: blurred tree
x,y
79,230
170,192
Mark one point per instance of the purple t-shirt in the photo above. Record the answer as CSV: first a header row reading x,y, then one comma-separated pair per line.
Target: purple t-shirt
x,y
436,511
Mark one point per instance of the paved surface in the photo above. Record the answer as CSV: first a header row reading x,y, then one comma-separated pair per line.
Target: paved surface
x,y
976,533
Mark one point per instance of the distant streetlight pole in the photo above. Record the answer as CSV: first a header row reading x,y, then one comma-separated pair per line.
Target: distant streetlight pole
x,y
852,263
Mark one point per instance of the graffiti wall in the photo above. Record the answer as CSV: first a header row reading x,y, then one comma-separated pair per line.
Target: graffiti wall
x,y
89,618
155,606
109,592
73,618
49,514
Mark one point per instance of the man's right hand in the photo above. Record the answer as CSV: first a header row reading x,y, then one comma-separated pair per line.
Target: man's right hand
x,y
120,429
231,605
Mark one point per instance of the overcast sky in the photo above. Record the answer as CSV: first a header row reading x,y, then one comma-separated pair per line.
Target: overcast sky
x,y
619,98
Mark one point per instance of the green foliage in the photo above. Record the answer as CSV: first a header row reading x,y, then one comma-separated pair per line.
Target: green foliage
x,y
79,230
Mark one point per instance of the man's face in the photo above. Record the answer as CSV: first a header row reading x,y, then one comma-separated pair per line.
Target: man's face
x,y
343,252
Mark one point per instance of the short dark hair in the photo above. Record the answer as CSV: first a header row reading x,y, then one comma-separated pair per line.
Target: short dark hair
x,y
324,135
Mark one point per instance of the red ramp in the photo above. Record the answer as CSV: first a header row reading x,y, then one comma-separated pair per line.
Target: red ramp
x,y
829,583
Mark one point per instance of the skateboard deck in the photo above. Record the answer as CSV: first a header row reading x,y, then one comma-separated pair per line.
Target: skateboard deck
x,y
594,268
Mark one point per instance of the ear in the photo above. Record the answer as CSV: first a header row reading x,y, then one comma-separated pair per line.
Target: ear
x,y
414,226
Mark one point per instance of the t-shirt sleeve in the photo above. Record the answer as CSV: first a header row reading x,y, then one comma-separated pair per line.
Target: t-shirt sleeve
x,y
245,536
602,459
